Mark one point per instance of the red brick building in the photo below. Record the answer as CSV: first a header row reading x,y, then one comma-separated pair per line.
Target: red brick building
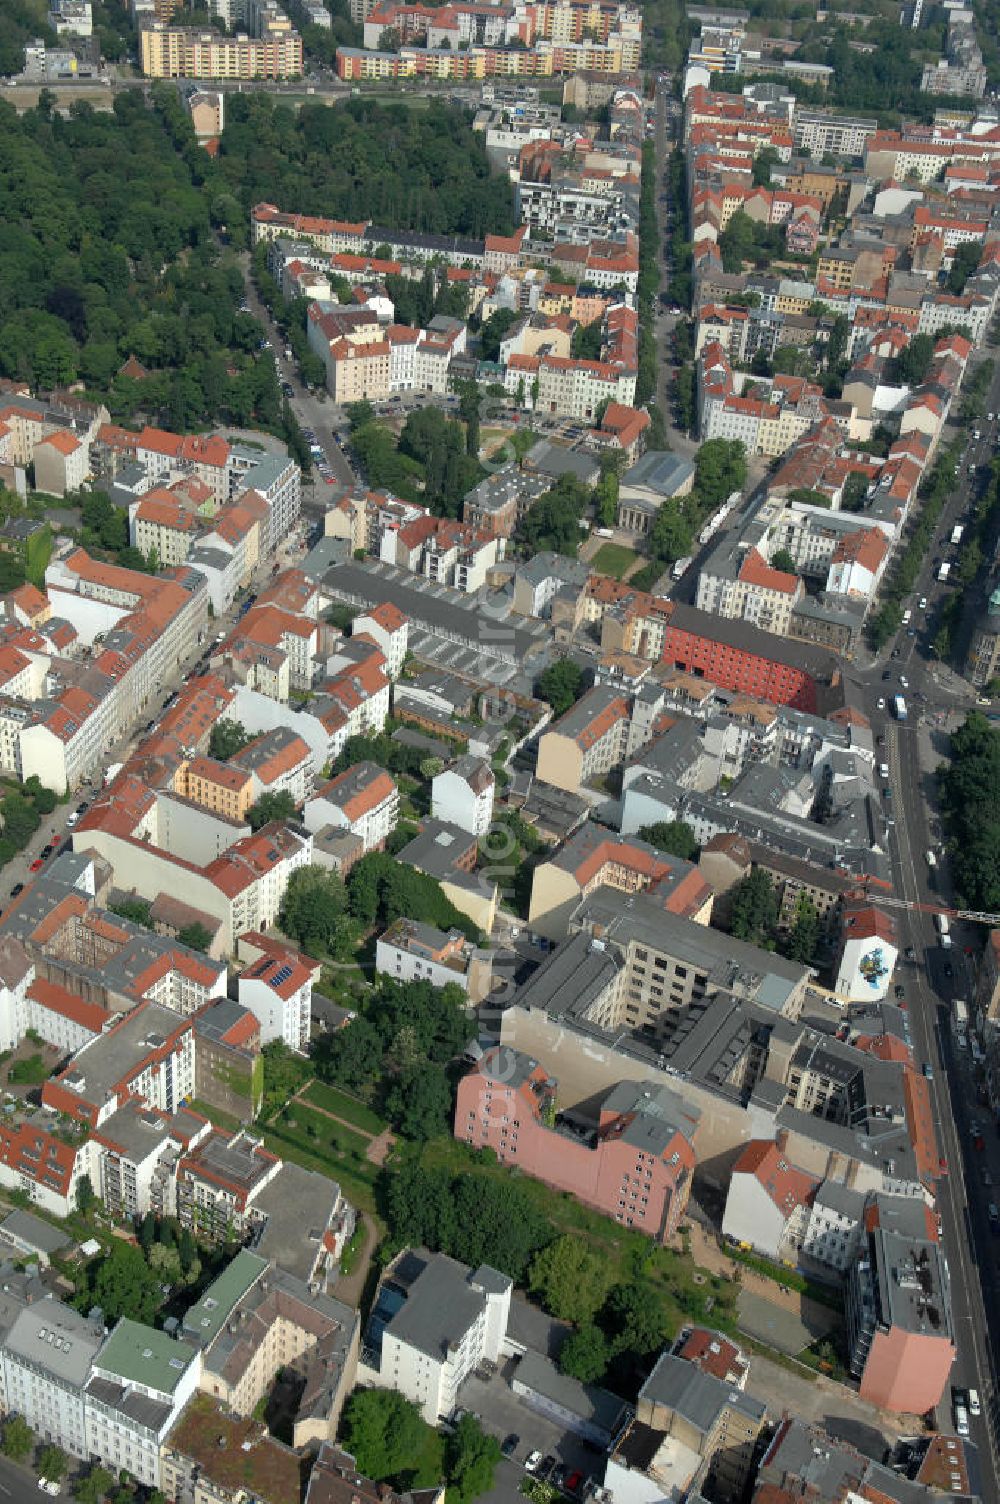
x,y
635,1164
735,655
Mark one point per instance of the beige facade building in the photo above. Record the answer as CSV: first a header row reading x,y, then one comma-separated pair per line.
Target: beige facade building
x,y
587,742
184,52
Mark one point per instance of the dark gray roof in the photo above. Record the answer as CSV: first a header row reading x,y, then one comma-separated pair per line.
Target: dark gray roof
x,y
696,1395
440,1307
32,1233
597,1407
660,471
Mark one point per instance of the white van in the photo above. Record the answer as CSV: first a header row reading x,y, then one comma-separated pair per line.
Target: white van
x,y
907,617
930,859
974,1406
941,924
961,1419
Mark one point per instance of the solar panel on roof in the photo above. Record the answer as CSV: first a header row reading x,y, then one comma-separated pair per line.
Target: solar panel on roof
x,y
280,976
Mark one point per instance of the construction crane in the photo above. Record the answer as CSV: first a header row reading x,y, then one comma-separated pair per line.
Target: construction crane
x,y
971,916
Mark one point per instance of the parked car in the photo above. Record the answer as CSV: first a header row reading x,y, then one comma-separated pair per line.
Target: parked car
x,y
573,1483
928,1072
509,1444
531,1462
16,889
545,1467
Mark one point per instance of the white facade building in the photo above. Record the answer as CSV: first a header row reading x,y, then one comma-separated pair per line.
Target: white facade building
x,y
463,795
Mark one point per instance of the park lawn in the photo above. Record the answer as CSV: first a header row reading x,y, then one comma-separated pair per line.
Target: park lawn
x,y
316,1130
613,559
355,1180
626,1254
346,1107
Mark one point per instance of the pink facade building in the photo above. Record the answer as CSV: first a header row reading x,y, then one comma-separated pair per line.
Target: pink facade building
x,y
634,1164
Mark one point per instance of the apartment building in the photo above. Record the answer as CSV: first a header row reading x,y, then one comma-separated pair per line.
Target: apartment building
x,y
410,951
578,388
140,1380
900,1335
216,786
363,799
277,989
768,1202
587,742
738,584
149,1053
817,133
692,1430
388,628
593,858
183,52
47,1357
463,793
634,1163
451,1319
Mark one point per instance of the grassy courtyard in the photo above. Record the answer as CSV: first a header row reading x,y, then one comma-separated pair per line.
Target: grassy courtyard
x,y
613,559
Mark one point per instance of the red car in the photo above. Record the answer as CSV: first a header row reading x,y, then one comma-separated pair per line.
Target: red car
x,y
943,1165
37,864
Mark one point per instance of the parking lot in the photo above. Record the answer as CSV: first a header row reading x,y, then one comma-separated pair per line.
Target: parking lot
x,y
503,1413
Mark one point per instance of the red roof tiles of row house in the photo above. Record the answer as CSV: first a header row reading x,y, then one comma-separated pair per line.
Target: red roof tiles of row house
x,y
233,523
286,978
269,625
371,787
884,1047
200,704
601,370
192,489
251,858
714,1354
12,663
284,757
28,599
506,245
59,1000
306,223
956,345
38,1156
756,571
219,773
402,334
180,962
293,590
63,441
162,509
788,1187
344,261
118,808
111,576
243,1032
530,363
388,616
920,1122
867,547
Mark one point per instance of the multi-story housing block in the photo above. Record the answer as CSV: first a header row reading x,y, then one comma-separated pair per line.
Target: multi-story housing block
x,y
183,52
634,1163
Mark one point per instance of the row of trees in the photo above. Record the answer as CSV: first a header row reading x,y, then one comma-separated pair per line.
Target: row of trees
x,y
720,469
969,787
935,490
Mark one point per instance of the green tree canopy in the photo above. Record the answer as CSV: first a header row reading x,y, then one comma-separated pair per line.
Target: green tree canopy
x,y
560,686
313,909
672,836
585,1354
753,908
385,1434
569,1278
271,806
122,1284
227,738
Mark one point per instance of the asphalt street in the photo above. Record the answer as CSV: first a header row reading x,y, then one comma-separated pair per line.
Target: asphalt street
x,y
936,977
